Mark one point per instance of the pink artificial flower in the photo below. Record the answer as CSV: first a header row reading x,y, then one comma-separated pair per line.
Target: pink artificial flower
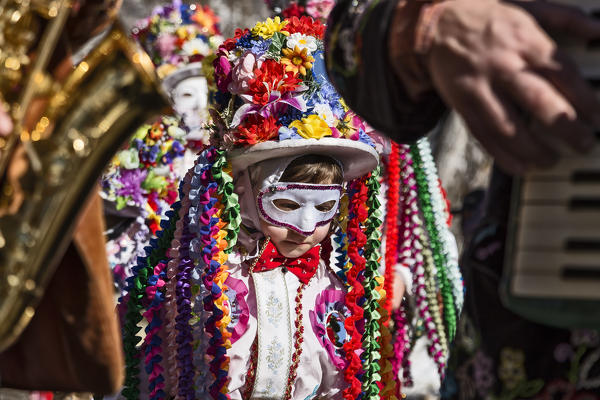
x,y
319,9
242,73
166,44
222,72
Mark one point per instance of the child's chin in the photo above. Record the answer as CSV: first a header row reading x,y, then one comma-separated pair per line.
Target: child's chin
x,y
293,251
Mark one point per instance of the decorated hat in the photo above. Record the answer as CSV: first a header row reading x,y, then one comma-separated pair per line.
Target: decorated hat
x,y
273,99
180,39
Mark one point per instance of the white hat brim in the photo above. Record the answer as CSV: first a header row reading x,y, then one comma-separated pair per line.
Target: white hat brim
x,y
357,158
170,81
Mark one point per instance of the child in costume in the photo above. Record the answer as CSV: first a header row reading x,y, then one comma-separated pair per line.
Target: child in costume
x,y
142,181
265,281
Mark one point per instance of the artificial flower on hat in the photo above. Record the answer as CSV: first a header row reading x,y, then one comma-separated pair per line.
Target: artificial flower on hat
x,y
271,88
177,35
141,175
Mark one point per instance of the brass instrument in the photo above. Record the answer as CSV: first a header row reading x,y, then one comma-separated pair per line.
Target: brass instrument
x,y
105,98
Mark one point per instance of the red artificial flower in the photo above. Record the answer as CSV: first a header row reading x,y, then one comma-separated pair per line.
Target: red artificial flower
x,y
154,226
229,44
152,201
306,26
269,77
257,129
196,58
171,196
293,10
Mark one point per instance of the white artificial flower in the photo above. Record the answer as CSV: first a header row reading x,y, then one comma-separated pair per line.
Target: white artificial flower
x,y
215,41
176,132
129,158
302,41
324,111
196,46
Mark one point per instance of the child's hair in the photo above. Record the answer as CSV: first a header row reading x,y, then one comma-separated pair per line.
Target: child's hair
x,y
313,168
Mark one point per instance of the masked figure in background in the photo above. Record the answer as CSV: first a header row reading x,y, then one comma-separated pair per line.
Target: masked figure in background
x,y
264,281
141,182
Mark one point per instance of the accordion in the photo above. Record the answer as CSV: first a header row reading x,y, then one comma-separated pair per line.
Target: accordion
x,y
552,264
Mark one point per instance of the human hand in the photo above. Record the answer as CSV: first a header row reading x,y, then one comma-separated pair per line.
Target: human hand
x,y
399,291
522,98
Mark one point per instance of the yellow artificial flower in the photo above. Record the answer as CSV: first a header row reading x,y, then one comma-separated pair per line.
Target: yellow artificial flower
x,y
344,105
268,28
166,147
183,33
312,127
296,60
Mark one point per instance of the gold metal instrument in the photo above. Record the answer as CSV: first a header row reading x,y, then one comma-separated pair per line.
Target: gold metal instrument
x,y
87,117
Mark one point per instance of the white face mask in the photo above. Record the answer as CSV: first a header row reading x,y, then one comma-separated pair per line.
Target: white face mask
x,y
301,207
190,100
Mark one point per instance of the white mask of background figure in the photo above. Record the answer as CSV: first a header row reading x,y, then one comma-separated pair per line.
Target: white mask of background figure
x,y
190,101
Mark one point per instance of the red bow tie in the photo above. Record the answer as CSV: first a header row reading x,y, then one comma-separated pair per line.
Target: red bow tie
x,y
304,267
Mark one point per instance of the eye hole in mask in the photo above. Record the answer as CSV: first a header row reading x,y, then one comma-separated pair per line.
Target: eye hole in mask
x,y
327,206
289,205
286,205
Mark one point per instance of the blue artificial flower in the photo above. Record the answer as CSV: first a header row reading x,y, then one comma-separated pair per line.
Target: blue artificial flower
x,y
245,41
288,133
290,115
177,147
167,158
318,69
363,137
186,14
138,143
260,47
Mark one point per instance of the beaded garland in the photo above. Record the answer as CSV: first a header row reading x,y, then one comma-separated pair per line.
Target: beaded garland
x,y
371,336
135,289
391,224
431,203
411,255
358,214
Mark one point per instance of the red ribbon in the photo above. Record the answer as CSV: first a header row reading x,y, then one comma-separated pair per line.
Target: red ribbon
x,y
304,267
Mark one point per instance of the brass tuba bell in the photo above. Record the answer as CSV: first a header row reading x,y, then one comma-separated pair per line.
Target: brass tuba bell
x,y
87,118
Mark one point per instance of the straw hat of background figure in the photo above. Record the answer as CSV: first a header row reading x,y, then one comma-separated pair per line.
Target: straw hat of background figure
x,y
181,40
